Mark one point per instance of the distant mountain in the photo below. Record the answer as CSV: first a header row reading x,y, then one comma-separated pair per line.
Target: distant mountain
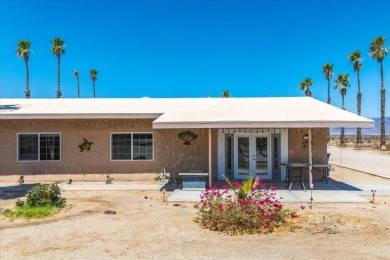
x,y
366,131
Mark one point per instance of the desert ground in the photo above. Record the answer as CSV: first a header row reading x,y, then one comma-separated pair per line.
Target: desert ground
x,y
148,228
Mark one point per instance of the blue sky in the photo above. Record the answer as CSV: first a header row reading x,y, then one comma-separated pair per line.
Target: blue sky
x,y
194,48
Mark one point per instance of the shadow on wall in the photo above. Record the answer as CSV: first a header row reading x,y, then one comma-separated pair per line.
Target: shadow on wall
x,y
9,107
15,191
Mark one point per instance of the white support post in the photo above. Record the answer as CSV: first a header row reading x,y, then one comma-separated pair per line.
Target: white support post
x,y
210,179
310,161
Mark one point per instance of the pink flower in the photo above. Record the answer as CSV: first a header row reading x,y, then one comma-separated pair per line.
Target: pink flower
x,y
263,185
273,188
302,207
224,187
237,185
293,215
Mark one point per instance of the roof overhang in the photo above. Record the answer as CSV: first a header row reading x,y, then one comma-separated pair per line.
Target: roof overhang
x,y
231,125
169,113
80,116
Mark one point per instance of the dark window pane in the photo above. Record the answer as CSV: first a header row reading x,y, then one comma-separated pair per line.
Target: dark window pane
x,y
28,147
143,146
121,147
50,147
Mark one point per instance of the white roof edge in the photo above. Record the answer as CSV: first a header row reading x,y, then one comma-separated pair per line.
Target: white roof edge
x,y
297,124
80,116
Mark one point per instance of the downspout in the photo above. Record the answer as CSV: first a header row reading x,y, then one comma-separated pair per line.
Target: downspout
x,y
310,161
210,179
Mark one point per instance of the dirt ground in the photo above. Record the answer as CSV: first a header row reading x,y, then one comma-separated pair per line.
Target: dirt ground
x,y
149,228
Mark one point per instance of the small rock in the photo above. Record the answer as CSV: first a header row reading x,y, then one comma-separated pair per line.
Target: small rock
x,y
109,212
146,197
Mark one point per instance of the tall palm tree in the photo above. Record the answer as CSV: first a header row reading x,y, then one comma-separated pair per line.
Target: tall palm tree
x,y
356,59
58,49
76,74
225,94
305,85
93,73
327,70
24,51
342,82
378,52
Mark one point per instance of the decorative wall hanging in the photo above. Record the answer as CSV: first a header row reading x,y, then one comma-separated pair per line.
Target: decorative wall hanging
x,y
85,146
187,136
305,142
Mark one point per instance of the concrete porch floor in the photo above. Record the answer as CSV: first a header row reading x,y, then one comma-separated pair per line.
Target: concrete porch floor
x,y
333,191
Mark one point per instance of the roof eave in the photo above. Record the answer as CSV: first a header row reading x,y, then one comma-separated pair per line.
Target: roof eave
x,y
296,124
82,116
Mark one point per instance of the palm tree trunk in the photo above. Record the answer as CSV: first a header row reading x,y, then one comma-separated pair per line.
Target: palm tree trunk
x,y
59,77
359,110
383,99
328,130
94,92
78,87
342,136
28,92
329,98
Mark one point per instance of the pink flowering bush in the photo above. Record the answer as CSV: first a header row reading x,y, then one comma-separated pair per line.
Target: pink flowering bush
x,y
246,208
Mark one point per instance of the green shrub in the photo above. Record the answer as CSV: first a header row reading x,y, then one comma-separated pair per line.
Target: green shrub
x,y
43,200
45,195
19,203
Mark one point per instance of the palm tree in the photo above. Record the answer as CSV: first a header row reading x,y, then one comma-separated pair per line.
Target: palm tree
x,y
305,85
225,94
93,73
357,65
76,74
58,49
378,52
327,70
24,51
342,82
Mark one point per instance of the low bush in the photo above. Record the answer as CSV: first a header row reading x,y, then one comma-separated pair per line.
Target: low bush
x,y
242,209
44,195
42,201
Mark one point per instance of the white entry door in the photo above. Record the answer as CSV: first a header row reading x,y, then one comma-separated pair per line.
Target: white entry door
x,y
251,155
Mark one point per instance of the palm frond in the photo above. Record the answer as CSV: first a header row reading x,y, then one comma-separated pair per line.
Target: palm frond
x,y
377,49
58,47
327,70
24,48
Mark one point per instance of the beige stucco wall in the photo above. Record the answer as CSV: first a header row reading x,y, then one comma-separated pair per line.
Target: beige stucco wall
x,y
169,151
297,153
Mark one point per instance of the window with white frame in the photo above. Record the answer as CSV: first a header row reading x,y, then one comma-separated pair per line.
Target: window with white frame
x,y
132,146
39,147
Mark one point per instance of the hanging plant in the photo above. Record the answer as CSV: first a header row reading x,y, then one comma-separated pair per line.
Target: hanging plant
x,y
85,146
187,136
